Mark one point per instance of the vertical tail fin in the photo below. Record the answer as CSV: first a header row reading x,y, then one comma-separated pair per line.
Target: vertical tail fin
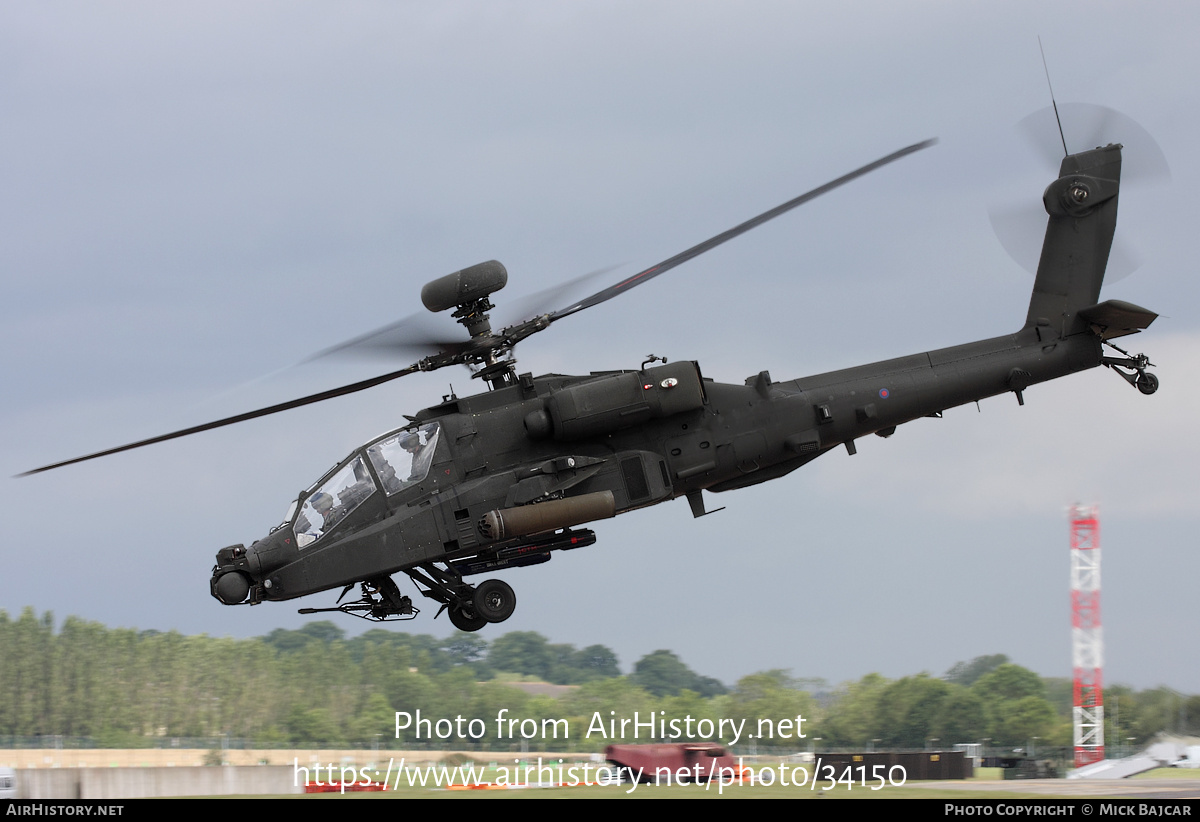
x,y
1082,204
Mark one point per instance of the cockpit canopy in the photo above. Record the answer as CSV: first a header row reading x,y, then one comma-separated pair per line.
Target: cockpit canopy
x,y
398,461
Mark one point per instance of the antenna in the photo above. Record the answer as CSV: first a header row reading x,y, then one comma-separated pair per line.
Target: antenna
x,y
1087,639
1052,102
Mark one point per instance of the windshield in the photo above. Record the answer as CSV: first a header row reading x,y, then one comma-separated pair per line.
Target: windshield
x,y
403,459
400,460
334,499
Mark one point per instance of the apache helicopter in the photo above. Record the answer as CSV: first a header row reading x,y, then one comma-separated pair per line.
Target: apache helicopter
x,y
504,478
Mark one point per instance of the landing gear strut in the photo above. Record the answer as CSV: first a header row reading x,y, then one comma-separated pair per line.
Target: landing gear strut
x,y
470,607
1132,369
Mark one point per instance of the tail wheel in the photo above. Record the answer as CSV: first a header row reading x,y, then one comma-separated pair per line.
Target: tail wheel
x,y
495,600
1147,383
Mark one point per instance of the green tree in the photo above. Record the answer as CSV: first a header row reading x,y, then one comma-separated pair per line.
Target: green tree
x,y
312,728
602,704
28,665
521,652
596,662
908,710
561,666
489,700
1060,692
374,725
962,718
1018,722
1007,682
966,673
662,673
466,649
851,720
1015,706
286,641
689,703
770,697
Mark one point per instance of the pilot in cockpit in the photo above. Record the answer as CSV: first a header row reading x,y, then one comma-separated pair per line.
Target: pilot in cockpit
x,y
422,455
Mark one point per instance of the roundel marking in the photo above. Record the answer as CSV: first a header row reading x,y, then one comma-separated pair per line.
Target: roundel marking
x,y
884,393
669,382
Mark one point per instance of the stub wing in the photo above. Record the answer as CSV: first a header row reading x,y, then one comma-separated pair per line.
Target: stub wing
x,y
1117,318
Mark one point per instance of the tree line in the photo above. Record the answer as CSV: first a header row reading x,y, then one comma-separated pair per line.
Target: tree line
x,y
315,688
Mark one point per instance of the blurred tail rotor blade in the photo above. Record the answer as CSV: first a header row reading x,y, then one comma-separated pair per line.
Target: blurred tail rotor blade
x,y
1087,126
1123,260
1020,230
1022,227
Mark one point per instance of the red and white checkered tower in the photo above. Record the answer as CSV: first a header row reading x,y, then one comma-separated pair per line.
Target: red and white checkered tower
x,y
1087,641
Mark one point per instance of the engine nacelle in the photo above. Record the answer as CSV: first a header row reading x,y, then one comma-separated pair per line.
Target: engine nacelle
x,y
611,403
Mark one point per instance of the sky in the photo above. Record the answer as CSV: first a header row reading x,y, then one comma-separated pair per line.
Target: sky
x,y
194,197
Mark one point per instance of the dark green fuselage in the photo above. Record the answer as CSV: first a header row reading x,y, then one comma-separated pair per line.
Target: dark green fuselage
x,y
589,447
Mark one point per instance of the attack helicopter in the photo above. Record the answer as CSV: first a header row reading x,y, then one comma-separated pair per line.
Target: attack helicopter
x,y
507,477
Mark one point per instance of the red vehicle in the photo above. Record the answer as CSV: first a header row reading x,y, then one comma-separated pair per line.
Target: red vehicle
x,y
669,764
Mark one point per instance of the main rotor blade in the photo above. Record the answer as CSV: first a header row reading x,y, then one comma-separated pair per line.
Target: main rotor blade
x,y
417,334
423,335
540,302
697,250
262,412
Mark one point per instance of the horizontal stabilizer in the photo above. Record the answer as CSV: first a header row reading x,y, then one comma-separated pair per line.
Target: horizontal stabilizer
x,y
1117,318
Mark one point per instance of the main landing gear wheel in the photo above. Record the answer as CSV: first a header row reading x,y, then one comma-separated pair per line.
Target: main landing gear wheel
x,y
466,620
495,600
